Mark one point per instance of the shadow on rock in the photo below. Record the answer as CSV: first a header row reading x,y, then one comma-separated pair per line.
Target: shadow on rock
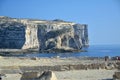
x,y
46,75
29,76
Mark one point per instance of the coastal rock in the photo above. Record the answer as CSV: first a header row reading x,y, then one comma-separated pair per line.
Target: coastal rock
x,y
116,76
43,35
109,66
29,76
48,75
2,76
118,65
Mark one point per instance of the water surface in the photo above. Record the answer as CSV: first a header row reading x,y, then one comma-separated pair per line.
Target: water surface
x,y
92,51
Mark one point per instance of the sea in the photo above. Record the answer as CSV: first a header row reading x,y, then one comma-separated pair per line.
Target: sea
x,y
91,51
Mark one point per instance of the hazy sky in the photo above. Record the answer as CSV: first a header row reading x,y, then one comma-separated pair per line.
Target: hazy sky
x,y
102,16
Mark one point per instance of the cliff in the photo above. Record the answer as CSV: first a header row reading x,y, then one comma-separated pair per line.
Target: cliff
x,y
43,35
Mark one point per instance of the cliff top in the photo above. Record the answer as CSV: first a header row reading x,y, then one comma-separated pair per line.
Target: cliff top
x,y
37,21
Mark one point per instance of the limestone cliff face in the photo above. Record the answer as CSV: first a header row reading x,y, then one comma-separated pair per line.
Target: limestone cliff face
x,y
41,34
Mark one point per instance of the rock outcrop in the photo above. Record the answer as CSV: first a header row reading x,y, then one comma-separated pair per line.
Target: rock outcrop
x,y
30,76
47,75
56,35
116,76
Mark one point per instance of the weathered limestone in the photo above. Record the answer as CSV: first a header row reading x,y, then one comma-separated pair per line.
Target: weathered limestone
x,y
12,34
47,75
29,76
42,35
31,37
116,76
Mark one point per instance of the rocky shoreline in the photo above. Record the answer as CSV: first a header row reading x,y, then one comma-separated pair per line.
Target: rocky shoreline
x,y
21,52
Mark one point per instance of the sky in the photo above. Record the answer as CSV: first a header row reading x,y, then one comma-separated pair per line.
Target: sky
x,y
101,16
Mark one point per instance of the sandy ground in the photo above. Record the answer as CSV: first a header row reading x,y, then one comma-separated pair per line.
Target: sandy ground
x,y
74,75
14,61
85,75
98,74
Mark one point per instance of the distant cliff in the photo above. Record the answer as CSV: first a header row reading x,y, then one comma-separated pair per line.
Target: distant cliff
x,y
55,35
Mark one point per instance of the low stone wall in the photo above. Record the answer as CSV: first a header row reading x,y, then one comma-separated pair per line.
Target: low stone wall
x,y
21,69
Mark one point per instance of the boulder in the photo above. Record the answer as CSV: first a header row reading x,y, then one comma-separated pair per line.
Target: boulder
x,y
47,75
118,65
109,66
2,76
107,58
29,75
34,58
116,76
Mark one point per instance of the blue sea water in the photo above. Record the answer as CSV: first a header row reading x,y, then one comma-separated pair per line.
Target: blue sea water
x,y
92,51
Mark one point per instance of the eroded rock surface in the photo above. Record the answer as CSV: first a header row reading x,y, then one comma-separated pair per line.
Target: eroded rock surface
x,y
42,35
116,76
47,75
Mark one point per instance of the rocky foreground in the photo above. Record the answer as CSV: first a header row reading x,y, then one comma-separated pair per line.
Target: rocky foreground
x,y
14,68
